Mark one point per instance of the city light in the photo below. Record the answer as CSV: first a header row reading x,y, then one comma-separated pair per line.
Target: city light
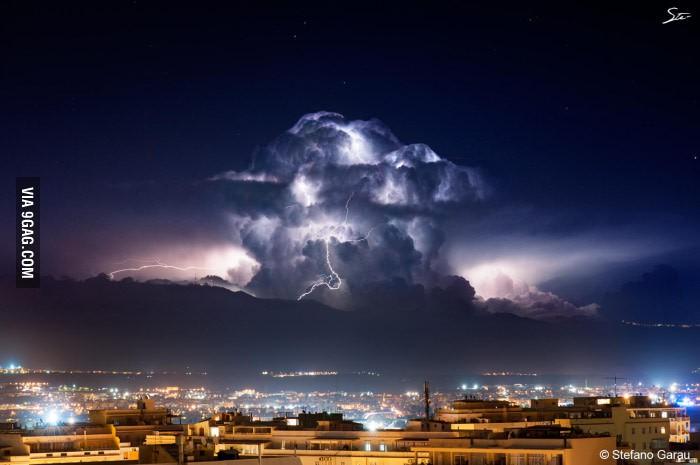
x,y
52,417
372,426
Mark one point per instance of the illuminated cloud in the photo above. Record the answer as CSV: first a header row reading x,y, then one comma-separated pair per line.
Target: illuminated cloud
x,y
323,155
503,290
341,205
347,197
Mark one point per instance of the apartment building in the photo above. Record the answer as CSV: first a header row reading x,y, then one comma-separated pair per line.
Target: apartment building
x,y
66,444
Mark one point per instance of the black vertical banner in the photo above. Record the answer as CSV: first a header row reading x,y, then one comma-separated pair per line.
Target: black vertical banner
x,y
27,266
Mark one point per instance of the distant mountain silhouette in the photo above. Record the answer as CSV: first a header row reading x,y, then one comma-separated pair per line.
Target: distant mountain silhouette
x,y
659,296
98,323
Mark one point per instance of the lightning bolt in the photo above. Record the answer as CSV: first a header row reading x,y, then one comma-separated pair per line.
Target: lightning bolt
x,y
332,280
347,208
157,264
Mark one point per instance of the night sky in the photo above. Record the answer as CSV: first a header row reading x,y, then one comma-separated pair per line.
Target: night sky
x,y
567,139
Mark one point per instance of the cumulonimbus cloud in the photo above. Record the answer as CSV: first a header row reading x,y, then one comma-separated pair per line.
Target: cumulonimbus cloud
x,y
332,205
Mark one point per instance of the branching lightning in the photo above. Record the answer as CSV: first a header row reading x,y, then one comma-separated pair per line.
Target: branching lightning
x,y
156,264
332,280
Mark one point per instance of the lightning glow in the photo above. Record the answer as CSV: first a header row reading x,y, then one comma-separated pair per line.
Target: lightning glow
x,y
157,264
229,262
496,279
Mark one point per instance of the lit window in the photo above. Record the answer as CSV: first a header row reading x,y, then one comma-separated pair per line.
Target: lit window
x,y
368,446
663,430
382,447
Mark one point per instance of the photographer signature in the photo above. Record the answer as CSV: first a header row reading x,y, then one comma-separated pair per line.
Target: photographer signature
x,y
676,16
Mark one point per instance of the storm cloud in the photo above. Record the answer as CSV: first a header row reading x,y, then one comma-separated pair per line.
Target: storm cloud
x,y
332,207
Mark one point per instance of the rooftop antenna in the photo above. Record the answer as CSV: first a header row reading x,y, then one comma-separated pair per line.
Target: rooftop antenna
x,y
426,393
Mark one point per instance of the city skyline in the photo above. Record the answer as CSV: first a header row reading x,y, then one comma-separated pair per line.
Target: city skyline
x,y
137,419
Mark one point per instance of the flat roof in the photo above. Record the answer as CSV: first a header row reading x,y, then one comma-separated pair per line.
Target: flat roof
x,y
244,441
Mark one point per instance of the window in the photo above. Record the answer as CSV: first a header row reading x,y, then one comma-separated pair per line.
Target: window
x,y
644,431
633,430
368,446
382,447
460,460
663,430
664,414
